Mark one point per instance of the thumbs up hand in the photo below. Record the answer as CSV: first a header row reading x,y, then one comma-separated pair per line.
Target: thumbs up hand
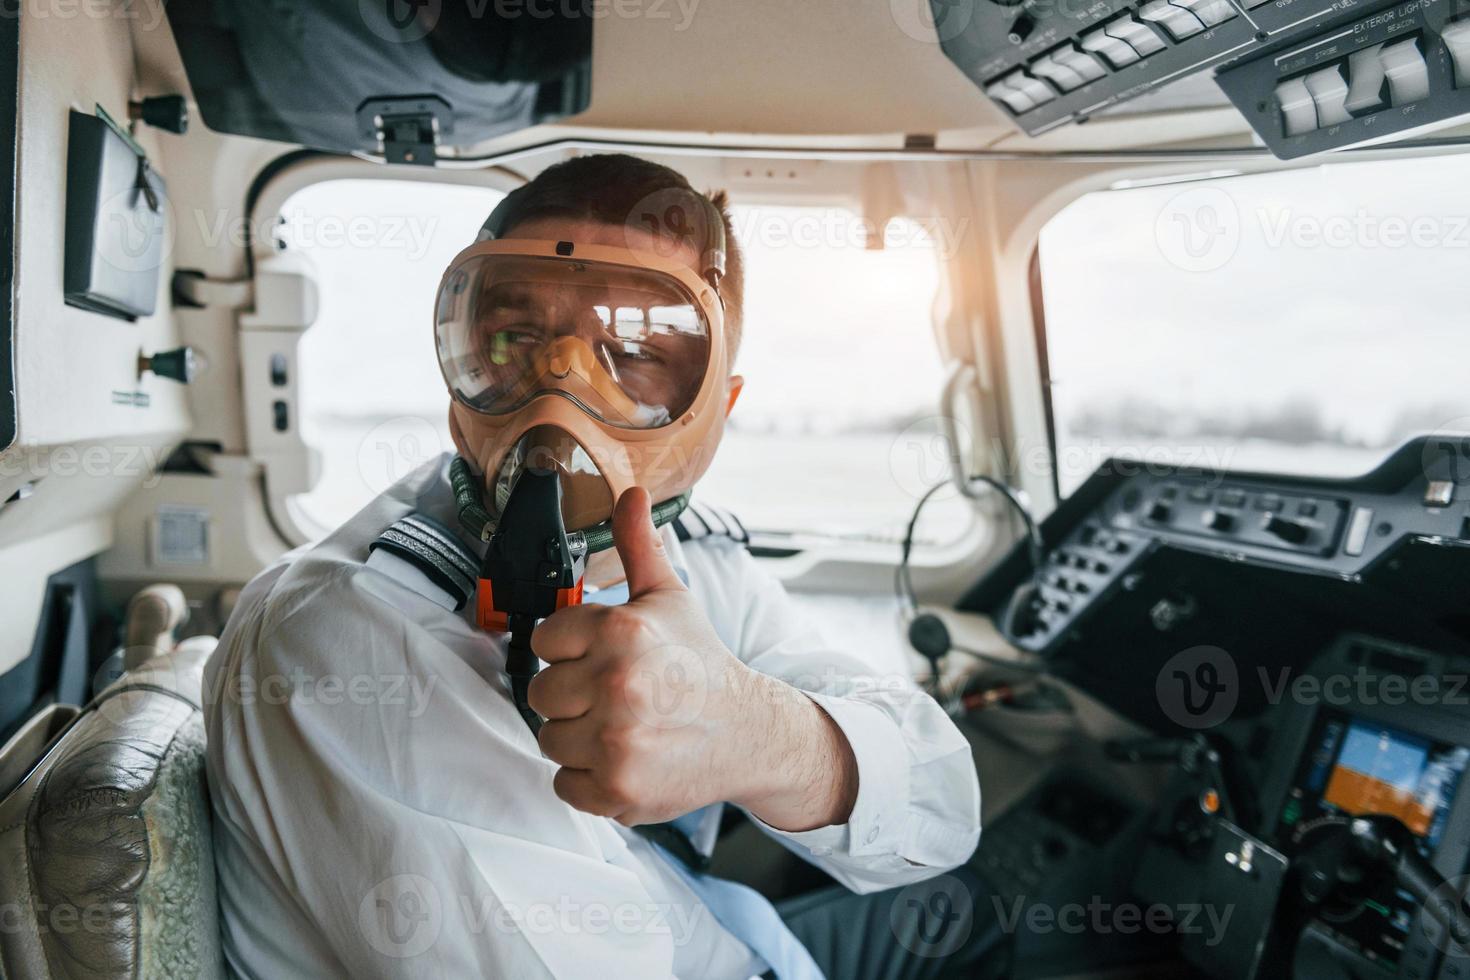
x,y
650,716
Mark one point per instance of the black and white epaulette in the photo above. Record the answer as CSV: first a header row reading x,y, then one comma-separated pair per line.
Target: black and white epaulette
x,y
423,555
700,520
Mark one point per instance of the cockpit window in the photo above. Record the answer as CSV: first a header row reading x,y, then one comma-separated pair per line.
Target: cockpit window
x,y
842,370
373,402
1301,321
835,435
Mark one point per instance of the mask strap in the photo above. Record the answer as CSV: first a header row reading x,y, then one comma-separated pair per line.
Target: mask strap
x,y
475,519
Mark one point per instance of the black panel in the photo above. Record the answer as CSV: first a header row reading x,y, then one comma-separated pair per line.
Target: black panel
x,y
307,71
9,110
1348,54
1138,569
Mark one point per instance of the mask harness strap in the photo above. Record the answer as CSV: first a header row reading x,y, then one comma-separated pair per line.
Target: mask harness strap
x,y
532,567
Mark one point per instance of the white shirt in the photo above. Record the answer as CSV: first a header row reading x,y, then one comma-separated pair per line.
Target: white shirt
x,y
381,809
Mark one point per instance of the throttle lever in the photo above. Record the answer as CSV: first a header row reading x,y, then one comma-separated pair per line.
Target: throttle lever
x,y
1194,755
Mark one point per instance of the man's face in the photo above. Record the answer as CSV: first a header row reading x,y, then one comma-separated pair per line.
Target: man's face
x,y
538,325
656,365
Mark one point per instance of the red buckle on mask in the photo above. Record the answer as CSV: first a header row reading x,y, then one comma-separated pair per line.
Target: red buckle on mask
x,y
491,618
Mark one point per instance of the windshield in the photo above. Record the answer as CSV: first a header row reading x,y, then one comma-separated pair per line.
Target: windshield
x,y
1304,321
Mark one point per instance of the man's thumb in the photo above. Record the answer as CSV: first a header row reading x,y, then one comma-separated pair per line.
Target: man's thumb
x,y
640,546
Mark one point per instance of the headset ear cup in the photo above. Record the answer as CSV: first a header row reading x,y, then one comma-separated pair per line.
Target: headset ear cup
x,y
929,636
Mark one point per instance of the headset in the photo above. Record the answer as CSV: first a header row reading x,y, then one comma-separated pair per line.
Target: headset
x,y
927,633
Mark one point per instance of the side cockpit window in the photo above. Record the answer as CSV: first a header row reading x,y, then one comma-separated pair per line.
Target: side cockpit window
x,y
373,403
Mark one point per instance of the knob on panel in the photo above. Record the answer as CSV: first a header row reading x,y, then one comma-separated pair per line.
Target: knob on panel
x,y
180,364
1288,530
1218,520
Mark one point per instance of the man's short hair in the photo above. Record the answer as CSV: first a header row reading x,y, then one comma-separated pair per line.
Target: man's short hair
x,y
609,188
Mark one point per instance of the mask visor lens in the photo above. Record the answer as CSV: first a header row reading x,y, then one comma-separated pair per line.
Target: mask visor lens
x,y
626,343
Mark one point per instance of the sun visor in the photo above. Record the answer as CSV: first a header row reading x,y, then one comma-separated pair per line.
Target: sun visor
x,y
389,77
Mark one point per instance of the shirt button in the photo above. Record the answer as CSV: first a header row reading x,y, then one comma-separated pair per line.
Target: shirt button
x,y
872,835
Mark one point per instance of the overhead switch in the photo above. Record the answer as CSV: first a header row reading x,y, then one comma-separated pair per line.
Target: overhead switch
x,y
1139,37
1365,81
1179,22
1114,51
1020,92
1329,95
1081,62
1456,38
1210,12
1062,76
1408,76
1298,112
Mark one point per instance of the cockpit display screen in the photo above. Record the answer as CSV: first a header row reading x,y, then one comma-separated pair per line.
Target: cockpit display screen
x,y
1353,766
1379,770
1357,767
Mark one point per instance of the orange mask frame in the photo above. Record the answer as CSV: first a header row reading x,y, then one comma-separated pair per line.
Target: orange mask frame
x,y
667,460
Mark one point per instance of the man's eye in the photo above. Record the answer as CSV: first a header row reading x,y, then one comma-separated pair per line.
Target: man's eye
x,y
506,344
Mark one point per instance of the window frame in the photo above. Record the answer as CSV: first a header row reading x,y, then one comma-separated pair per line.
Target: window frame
x,y
289,519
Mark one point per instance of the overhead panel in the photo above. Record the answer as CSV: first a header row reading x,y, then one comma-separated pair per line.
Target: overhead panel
x,y
1309,75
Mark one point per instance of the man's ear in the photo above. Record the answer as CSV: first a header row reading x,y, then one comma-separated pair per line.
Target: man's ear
x,y
737,385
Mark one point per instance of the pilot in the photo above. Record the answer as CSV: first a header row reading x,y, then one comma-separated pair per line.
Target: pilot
x,y
382,807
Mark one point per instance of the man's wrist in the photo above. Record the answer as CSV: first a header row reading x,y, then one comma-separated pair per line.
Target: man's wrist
x,y
801,771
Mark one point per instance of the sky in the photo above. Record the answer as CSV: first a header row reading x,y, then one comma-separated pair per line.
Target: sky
x,y
1344,286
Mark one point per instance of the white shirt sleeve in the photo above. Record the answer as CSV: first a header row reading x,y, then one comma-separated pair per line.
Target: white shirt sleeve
x,y
918,802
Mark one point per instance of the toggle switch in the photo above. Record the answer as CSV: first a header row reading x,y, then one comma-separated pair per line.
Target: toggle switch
x,y
1140,37
1067,68
1329,95
1033,88
1115,52
1020,92
1013,99
1081,62
1365,81
1210,12
1179,22
1059,75
1298,111
1456,38
1122,41
1408,75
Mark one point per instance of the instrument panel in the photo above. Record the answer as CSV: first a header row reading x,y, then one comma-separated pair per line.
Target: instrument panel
x,y
1353,764
1395,530
1314,635
1308,75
